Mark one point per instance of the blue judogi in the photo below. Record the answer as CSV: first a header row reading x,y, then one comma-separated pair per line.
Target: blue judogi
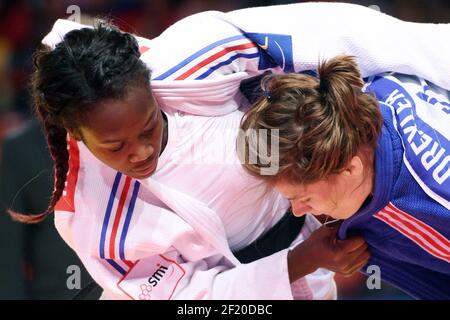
x,y
407,222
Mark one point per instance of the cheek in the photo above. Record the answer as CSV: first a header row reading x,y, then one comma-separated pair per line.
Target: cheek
x,y
105,156
340,202
156,138
325,201
321,205
114,161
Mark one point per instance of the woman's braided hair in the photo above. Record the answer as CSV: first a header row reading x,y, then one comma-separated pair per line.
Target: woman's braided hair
x,y
88,66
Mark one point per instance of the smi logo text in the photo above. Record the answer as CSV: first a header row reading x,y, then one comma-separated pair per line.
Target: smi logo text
x,y
157,275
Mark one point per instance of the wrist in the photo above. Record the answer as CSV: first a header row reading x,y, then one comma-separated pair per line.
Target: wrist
x,y
300,262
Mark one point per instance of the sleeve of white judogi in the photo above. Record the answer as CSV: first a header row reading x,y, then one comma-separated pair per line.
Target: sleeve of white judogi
x,y
297,36
201,74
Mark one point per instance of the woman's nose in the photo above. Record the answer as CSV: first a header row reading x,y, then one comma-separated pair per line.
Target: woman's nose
x,y
299,209
142,152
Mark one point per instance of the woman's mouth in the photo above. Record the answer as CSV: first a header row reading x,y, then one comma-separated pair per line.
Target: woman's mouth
x,y
146,170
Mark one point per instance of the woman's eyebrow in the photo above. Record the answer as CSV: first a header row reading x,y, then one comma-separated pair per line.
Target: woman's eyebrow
x,y
111,141
301,198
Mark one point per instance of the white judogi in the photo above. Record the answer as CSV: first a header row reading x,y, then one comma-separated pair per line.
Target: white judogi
x,y
124,230
171,236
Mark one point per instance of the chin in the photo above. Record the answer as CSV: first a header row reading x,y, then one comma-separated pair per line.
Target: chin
x,y
345,215
141,176
145,173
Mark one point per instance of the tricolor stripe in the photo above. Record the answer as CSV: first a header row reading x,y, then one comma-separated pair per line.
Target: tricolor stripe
x,y
116,266
227,62
108,214
115,223
213,58
123,197
128,219
417,231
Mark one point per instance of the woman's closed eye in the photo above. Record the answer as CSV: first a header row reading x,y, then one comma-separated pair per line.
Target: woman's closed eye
x,y
118,148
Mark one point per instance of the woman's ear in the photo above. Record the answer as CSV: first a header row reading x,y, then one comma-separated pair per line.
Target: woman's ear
x,y
355,167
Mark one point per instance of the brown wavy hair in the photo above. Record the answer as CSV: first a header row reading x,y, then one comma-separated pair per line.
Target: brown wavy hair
x,y
323,121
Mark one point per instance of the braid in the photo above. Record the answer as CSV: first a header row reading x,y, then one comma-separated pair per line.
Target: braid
x,y
57,143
